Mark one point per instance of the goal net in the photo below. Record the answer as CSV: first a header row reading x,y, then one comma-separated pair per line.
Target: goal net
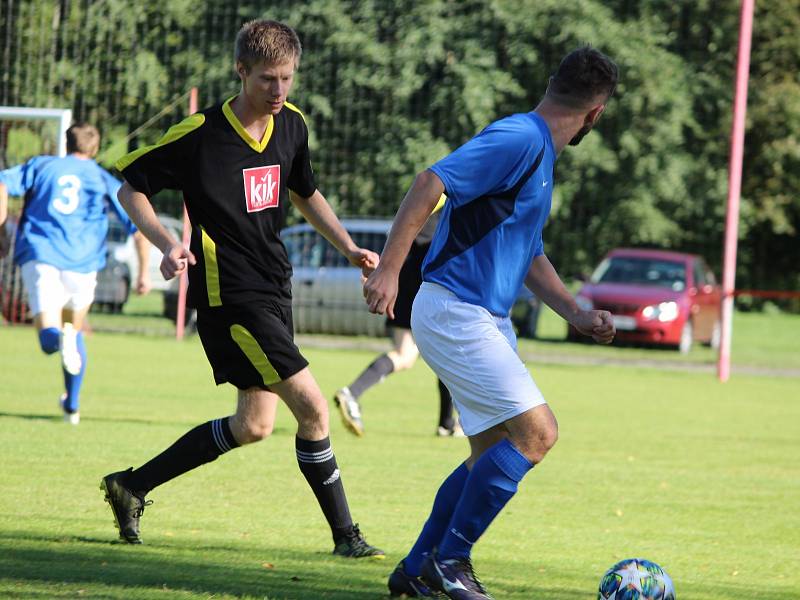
x,y
24,133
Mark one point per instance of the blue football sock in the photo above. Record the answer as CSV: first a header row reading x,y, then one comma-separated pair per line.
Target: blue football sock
x,y
49,340
72,383
492,482
434,528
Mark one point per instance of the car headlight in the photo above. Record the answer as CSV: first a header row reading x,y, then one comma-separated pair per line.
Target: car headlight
x,y
664,312
583,303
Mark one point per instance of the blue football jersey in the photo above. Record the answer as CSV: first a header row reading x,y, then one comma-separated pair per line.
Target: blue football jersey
x,y
499,188
64,221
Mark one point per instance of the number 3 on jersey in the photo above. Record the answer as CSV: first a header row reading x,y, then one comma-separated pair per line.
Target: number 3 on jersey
x,y
69,194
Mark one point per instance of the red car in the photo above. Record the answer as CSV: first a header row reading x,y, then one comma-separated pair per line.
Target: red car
x,y
656,297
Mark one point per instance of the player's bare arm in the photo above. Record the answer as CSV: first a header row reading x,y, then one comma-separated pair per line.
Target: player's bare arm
x,y
5,242
142,244
319,213
543,280
380,289
177,258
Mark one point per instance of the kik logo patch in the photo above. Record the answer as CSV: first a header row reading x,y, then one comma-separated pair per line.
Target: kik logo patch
x,y
262,187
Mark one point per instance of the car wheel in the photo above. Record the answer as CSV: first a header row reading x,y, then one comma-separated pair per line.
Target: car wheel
x,y
687,337
120,296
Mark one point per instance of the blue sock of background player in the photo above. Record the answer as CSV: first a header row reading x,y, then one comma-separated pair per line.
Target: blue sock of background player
x,y
49,340
492,482
72,383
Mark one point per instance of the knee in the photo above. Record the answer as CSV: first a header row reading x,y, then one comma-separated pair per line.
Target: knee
x,y
539,443
250,431
312,423
49,340
404,359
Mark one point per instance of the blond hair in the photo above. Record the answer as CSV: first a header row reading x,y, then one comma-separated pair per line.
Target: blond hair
x,y
83,138
266,41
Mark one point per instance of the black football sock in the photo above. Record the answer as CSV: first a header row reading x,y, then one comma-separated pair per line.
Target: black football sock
x,y
201,445
375,373
445,407
318,465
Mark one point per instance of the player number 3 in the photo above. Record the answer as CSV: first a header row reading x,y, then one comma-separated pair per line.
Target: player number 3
x,y
67,201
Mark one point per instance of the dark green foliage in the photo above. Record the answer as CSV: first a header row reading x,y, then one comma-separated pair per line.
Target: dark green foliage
x,y
389,87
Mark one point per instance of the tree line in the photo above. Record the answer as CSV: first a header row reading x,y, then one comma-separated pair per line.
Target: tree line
x,y
389,87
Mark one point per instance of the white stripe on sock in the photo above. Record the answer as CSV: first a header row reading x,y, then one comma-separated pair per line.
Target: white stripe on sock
x,y
219,437
315,457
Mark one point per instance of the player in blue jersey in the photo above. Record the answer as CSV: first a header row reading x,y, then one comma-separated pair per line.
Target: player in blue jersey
x,y
60,246
487,245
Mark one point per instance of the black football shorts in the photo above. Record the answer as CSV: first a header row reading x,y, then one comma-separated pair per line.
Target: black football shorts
x,y
250,345
408,282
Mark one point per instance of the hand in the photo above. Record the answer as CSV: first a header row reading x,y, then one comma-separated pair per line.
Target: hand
x,y
380,292
599,324
143,285
176,260
366,260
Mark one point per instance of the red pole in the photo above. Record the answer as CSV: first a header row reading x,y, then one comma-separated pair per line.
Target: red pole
x,y
734,188
180,319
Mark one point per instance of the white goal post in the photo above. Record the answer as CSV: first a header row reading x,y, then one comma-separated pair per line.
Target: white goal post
x,y
24,113
36,131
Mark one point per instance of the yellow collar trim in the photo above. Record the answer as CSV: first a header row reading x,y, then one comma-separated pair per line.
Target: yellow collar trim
x,y
239,128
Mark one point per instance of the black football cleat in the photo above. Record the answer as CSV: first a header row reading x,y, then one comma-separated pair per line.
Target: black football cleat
x,y
354,545
455,578
403,585
126,506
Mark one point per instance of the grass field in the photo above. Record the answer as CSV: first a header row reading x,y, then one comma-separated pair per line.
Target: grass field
x,y
701,477
760,341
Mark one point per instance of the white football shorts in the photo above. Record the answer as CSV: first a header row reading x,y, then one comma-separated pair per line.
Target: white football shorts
x,y
50,289
475,354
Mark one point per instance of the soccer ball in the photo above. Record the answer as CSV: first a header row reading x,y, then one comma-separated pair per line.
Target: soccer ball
x,y
636,579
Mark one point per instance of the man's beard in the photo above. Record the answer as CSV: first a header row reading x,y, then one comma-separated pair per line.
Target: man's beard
x,y
581,134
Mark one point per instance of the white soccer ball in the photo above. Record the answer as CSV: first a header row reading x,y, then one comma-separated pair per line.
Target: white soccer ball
x,y
636,579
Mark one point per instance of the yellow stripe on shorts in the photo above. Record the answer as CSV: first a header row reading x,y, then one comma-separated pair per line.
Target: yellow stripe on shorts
x,y
255,354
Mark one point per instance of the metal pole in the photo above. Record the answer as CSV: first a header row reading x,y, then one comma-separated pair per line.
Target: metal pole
x,y
734,188
180,319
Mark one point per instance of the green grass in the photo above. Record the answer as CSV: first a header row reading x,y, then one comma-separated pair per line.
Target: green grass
x,y
702,477
759,341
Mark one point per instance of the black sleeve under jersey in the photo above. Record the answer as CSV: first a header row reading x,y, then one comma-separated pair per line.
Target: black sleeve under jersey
x,y
301,177
164,164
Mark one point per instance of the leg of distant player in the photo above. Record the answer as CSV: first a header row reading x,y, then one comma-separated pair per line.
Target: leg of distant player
x,y
73,359
252,422
60,301
403,356
448,424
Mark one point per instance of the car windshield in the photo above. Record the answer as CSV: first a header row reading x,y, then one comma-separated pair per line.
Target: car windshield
x,y
641,271
310,249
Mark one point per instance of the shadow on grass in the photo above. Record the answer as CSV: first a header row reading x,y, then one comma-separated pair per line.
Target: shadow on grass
x,y
154,421
268,573
205,571
30,416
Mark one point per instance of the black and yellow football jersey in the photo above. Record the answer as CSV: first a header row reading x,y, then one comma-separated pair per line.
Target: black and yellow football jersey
x,y
236,193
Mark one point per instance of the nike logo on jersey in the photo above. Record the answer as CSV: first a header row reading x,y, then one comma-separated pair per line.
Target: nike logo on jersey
x,y
448,584
262,187
544,183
